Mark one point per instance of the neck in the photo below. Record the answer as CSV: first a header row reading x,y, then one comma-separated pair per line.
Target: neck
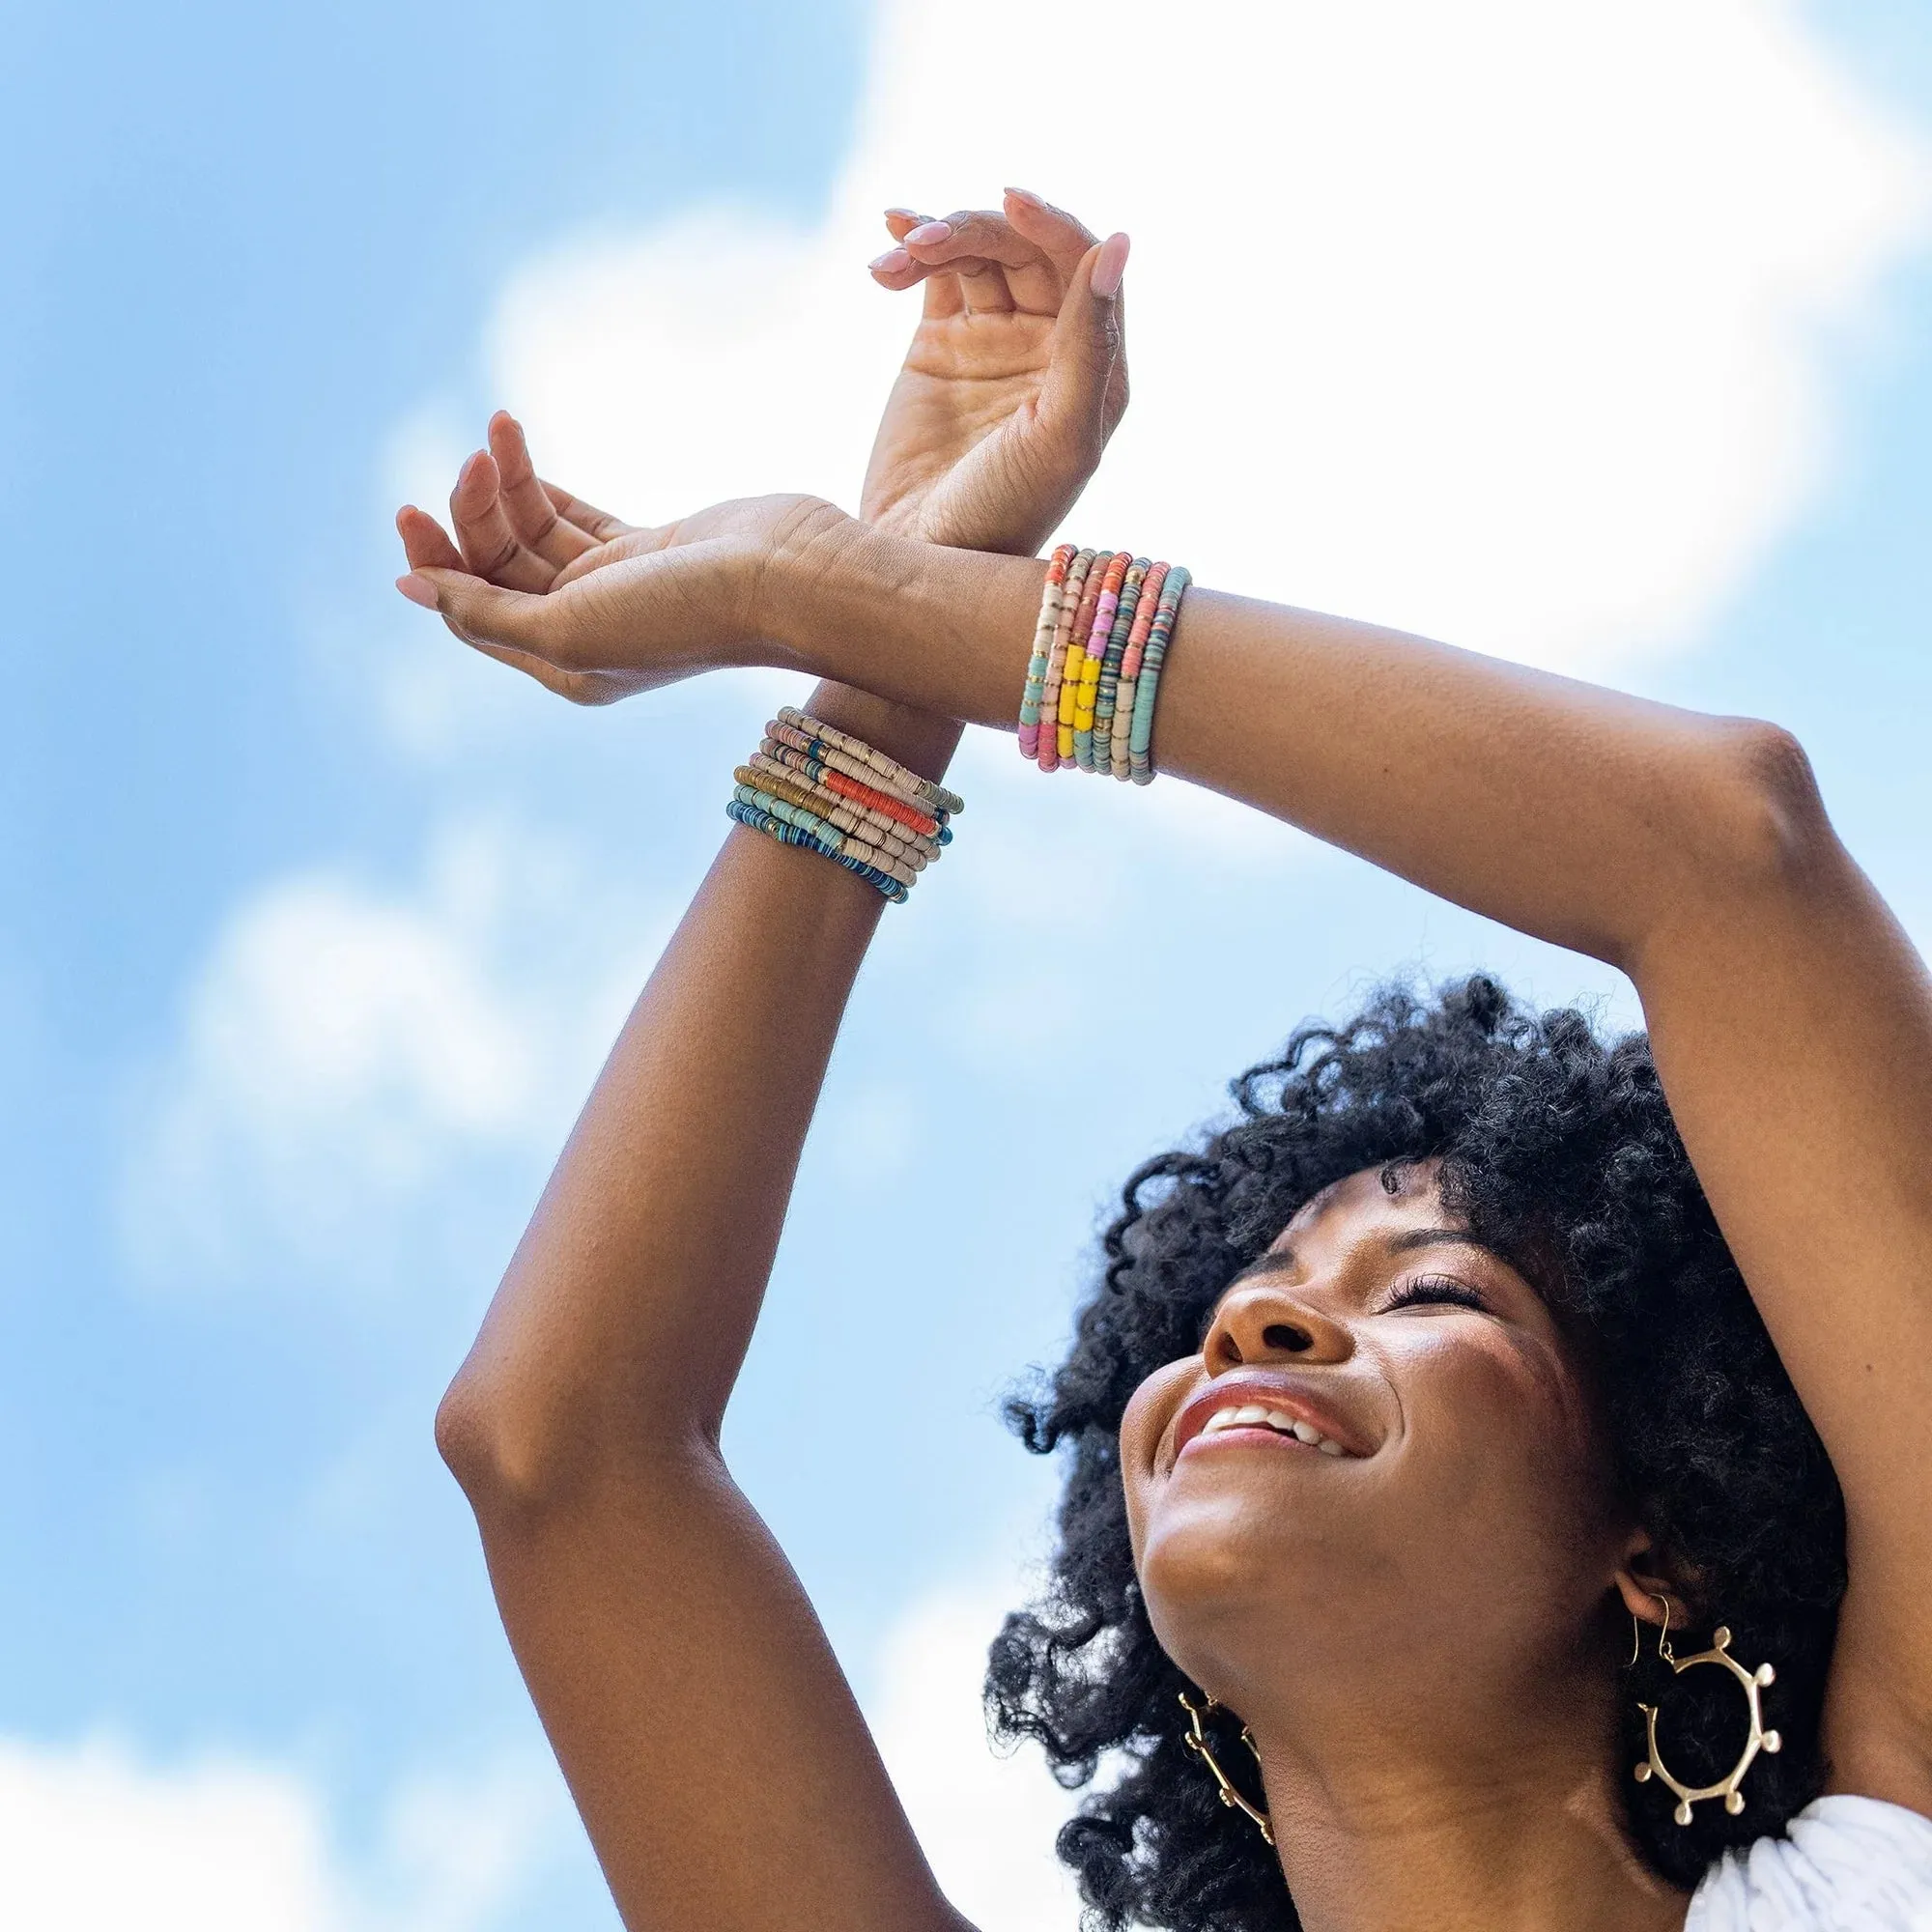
x,y
1484,1823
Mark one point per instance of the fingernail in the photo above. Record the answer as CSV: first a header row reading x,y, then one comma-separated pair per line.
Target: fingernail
x,y
928,232
910,213
418,590
1111,266
1026,195
892,262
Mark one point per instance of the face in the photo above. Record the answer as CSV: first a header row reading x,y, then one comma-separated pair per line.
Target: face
x,y
1383,1472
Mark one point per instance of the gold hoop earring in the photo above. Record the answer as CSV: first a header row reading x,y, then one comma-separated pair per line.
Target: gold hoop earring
x,y
1760,1739
1196,1741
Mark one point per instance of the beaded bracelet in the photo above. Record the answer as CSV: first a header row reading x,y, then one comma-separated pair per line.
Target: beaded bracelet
x,y
1140,741
1095,754
1078,641
828,792
1066,605
825,831
874,827
1106,621
1042,650
791,835
891,776
1119,756
833,778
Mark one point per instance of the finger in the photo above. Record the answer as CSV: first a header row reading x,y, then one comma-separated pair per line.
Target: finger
x,y
1061,238
483,532
425,543
591,521
532,516
484,613
1086,387
979,245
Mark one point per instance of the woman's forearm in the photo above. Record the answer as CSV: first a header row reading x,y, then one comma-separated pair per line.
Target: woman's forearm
x,y
623,1318
1580,815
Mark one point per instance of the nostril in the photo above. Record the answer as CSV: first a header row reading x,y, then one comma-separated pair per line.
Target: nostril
x,y
1288,1338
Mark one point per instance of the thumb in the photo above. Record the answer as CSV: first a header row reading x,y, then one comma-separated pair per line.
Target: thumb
x,y
1085,389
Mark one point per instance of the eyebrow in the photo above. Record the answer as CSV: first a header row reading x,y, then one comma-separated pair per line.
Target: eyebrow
x,y
1283,1261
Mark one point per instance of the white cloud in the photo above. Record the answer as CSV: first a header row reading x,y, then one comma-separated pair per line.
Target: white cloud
x,y
94,1840
986,1823
345,1047
1506,320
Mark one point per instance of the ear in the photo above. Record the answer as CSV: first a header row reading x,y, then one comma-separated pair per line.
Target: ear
x,y
1645,1584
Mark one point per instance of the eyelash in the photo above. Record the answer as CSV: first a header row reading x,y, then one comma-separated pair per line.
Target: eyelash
x,y
1436,1291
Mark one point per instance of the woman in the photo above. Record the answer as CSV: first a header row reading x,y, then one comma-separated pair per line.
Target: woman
x,y
1424,1416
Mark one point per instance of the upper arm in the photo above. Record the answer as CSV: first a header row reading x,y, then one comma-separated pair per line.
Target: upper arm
x,y
714,1748
1791,1021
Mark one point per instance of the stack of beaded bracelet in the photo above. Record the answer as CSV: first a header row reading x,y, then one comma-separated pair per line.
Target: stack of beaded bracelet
x,y
807,784
1106,619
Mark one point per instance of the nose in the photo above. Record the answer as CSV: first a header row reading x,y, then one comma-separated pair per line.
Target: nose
x,y
1267,1325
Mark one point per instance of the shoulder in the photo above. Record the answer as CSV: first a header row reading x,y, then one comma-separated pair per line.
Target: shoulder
x,y
1848,1865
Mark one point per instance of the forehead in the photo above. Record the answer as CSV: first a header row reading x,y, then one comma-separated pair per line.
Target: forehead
x,y
1385,1199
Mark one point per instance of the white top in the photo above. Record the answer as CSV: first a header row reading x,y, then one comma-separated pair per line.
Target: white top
x,y
1850,1865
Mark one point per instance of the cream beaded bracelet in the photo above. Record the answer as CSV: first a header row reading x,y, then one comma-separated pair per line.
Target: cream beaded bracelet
x,y
1106,622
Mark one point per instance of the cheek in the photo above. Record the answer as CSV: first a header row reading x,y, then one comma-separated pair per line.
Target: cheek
x,y
1152,1408
1502,1443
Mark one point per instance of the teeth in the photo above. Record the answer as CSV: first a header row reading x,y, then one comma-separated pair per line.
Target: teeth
x,y
1255,1415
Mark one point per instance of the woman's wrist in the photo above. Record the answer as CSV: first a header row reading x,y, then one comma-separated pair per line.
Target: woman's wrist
x,y
936,630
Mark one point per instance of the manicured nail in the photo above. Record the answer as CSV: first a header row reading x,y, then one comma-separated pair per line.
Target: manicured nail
x,y
1111,266
910,213
929,232
1028,196
418,590
892,262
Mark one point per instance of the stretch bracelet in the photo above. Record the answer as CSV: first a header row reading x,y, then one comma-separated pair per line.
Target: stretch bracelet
x,y
790,835
1122,726
803,787
1140,741
1072,594
822,829
888,773
1042,650
1106,622
831,758
1095,754
1074,660
873,827
846,786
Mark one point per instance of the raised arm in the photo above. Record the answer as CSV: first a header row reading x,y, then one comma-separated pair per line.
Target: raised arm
x,y
1791,1018
707,1733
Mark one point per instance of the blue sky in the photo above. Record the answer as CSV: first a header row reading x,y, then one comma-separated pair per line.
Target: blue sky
x,y
261,827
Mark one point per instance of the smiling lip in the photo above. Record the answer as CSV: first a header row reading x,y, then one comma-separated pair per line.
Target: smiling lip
x,y
1285,1397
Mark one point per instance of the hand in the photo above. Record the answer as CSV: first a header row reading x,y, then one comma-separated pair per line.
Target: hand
x,y
592,608
1015,379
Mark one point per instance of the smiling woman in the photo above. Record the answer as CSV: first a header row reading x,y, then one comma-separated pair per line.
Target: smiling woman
x,y
1533,1342
1415,1411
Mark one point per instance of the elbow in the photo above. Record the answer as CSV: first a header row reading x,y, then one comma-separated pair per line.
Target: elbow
x,y
522,1457
1761,827
504,1469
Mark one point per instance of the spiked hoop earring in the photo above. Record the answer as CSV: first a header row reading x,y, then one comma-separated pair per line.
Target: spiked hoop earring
x,y
1196,1741
1760,1739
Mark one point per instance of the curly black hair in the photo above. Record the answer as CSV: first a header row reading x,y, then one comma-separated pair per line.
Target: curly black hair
x,y
1558,1148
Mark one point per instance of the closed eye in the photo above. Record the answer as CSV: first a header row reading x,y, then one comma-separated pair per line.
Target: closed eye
x,y
1436,1290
